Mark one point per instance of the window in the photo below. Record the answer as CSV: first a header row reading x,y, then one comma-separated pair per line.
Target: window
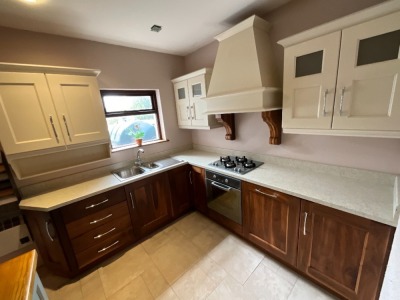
x,y
130,114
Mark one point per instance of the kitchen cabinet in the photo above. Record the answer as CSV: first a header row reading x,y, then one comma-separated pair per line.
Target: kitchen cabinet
x,y
150,203
198,181
180,183
271,220
190,91
344,252
344,81
72,238
42,110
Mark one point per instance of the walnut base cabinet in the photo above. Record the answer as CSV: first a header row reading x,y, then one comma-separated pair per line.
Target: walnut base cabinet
x,y
198,181
271,221
181,184
150,203
346,253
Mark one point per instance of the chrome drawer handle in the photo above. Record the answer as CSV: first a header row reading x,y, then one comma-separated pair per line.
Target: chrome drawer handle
x,y
94,205
269,195
96,221
48,232
133,203
190,177
341,101
305,223
103,234
108,247
324,108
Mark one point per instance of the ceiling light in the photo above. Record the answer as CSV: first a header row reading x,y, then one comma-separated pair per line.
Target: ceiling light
x,y
29,1
156,28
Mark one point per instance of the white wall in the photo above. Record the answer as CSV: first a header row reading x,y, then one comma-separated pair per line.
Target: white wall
x,y
252,134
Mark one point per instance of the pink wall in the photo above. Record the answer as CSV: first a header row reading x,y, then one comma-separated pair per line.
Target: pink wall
x,y
252,134
120,67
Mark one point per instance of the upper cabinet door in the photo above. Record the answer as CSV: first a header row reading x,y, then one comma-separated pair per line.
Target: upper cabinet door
x,y
197,91
368,92
309,82
182,103
79,107
28,120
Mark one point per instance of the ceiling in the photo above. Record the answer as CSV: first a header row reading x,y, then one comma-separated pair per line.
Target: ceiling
x,y
187,25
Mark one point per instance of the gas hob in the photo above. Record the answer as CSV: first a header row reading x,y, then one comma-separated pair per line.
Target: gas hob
x,y
236,164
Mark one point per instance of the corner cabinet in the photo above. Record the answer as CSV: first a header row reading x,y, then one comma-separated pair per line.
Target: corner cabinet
x,y
190,91
180,183
345,81
344,252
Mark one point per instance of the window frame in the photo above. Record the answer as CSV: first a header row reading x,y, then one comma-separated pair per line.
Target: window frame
x,y
154,102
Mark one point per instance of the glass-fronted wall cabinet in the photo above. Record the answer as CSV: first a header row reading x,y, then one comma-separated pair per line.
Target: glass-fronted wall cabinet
x,y
190,91
345,81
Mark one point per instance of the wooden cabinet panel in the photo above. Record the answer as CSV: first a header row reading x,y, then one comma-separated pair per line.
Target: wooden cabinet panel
x,y
347,253
27,113
270,220
93,204
79,108
180,185
151,203
199,189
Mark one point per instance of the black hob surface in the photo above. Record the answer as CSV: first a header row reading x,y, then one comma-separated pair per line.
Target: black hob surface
x,y
236,164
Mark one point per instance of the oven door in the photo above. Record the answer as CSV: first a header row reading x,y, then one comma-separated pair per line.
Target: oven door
x,y
224,200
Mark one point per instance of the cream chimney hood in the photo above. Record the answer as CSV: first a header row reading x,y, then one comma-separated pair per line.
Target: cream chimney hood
x,y
244,77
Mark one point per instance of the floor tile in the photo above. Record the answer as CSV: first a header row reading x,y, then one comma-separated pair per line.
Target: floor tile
x,y
192,224
194,284
136,289
169,294
210,237
155,281
266,284
70,291
237,258
212,269
120,272
230,289
92,288
304,289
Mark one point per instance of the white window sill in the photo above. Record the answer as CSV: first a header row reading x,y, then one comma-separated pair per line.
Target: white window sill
x,y
131,146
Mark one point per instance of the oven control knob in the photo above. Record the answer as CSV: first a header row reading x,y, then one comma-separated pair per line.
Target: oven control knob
x,y
214,176
226,180
238,170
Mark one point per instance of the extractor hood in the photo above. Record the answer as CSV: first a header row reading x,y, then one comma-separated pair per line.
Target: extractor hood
x,y
244,77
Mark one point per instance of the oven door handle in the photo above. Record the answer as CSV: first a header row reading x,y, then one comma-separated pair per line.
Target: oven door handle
x,y
221,186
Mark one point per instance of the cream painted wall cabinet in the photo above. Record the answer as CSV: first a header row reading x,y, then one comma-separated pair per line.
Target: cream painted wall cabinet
x,y
40,110
343,77
190,91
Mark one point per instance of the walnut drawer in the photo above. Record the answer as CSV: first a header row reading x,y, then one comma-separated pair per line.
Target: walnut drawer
x,y
95,220
93,204
106,247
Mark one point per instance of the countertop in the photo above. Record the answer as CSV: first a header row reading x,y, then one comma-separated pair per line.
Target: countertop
x,y
18,276
367,194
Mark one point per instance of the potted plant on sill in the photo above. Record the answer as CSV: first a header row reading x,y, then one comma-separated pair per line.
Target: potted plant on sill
x,y
137,134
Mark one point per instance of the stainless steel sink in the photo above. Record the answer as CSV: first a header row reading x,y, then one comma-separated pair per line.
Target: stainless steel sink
x,y
129,172
150,165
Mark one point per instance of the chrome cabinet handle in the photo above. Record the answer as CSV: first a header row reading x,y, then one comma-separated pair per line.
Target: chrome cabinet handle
x,y
221,186
341,101
133,203
266,194
194,112
190,177
54,129
48,232
324,108
103,234
188,112
108,247
94,205
99,220
66,127
305,223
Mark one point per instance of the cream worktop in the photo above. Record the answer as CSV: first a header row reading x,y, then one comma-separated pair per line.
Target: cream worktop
x,y
367,194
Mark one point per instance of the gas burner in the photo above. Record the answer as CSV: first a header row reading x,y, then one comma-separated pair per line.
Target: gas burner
x,y
249,164
236,164
225,158
241,159
229,164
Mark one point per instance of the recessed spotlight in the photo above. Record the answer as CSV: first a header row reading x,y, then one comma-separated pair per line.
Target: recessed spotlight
x,y
156,28
30,1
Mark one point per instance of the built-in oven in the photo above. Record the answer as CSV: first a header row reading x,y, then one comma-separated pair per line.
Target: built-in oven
x,y
224,196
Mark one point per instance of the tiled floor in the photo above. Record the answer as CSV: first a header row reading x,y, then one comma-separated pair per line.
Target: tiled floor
x,y
192,259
